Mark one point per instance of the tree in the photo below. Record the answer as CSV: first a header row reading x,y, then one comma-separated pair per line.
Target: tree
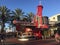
x,y
18,13
30,16
4,15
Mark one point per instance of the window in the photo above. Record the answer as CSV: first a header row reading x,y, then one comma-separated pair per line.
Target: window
x,y
53,17
58,17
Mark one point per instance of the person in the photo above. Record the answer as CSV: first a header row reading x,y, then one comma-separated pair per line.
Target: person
x,y
57,36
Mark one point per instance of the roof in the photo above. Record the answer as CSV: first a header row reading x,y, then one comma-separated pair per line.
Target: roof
x,y
54,15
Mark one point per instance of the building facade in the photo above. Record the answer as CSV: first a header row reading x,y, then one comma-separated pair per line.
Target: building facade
x,y
54,22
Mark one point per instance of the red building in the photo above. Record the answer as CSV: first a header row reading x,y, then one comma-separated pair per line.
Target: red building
x,y
38,19
38,23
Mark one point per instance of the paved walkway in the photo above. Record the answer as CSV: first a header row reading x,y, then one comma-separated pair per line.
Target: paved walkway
x,y
17,41
14,41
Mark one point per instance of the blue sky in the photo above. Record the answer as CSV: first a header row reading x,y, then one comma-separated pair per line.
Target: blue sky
x,y
50,7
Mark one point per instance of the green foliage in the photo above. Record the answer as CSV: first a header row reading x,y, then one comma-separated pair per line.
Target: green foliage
x,y
30,16
4,13
18,13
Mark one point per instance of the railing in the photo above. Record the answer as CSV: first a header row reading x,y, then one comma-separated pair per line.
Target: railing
x,y
25,23
54,22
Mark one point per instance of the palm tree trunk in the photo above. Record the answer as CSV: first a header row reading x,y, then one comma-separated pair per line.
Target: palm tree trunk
x,y
2,29
3,22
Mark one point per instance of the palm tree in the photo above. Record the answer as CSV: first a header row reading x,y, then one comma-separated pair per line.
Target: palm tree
x,y
4,15
18,13
25,19
30,16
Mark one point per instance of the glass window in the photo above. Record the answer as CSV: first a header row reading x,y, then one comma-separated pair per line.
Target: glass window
x,y
58,17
